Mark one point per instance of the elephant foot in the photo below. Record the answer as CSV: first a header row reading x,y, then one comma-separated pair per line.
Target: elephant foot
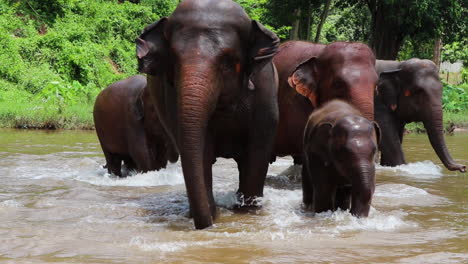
x,y
247,204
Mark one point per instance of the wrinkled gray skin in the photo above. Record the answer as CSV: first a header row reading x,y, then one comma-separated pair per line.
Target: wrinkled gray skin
x,y
410,91
129,130
339,150
216,94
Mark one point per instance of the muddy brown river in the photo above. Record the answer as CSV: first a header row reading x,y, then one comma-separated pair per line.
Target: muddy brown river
x,y
58,205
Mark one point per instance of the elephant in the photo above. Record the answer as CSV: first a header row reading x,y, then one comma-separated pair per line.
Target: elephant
x,y
340,145
311,74
210,73
129,130
410,91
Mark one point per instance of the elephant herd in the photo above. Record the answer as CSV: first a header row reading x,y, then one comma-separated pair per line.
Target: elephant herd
x,y
219,84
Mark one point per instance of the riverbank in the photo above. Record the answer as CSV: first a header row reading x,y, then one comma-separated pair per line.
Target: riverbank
x,y
34,113
38,114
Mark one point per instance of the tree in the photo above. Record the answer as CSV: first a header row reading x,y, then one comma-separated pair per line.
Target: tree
x,y
395,20
296,14
323,17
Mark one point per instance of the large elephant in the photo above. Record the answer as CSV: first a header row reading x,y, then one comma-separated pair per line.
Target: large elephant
x,y
339,149
129,130
410,91
210,75
311,74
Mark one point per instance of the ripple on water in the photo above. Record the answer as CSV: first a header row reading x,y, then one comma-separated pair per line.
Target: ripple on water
x,y
437,258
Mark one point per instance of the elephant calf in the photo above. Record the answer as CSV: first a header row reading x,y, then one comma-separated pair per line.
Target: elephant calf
x,y
339,149
129,130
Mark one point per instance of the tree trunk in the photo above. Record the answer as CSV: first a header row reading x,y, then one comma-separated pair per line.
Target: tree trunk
x,y
294,33
386,38
323,17
437,51
309,22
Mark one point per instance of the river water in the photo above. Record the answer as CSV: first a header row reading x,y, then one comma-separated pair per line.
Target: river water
x,y
58,205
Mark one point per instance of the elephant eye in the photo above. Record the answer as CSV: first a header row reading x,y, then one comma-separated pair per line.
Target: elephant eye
x,y
229,62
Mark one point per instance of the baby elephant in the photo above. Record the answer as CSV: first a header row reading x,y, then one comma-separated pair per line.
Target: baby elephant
x,y
339,149
129,129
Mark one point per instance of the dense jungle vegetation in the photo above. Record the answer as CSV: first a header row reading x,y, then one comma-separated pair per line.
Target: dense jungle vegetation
x,y
56,55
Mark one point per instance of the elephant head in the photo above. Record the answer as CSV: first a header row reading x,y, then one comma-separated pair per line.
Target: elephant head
x,y
205,53
414,92
343,70
351,149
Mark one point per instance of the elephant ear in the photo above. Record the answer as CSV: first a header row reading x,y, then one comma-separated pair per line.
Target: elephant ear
x,y
304,79
262,47
389,88
151,48
322,135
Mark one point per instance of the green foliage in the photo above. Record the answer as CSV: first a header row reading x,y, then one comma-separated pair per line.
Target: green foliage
x,y
259,10
455,99
456,51
347,24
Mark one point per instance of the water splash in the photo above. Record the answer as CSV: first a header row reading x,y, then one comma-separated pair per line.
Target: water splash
x,y
401,194
171,175
420,170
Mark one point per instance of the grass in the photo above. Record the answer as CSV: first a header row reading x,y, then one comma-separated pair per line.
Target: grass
x,y
451,120
35,113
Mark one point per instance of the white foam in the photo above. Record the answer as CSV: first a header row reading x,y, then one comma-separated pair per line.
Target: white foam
x,y
390,195
145,245
343,221
11,204
171,175
421,170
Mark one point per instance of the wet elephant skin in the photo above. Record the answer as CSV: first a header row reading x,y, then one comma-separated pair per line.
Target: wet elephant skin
x,y
210,75
410,91
312,74
129,130
339,149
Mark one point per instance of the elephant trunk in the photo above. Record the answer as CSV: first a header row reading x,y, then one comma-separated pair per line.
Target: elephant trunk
x,y
364,102
196,101
363,186
434,128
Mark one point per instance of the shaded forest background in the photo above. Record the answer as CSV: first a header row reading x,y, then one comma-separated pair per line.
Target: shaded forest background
x,y
56,55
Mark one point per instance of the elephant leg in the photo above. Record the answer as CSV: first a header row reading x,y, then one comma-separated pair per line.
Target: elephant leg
x,y
130,164
343,197
307,190
297,159
262,123
253,167
140,151
253,173
324,194
114,163
390,145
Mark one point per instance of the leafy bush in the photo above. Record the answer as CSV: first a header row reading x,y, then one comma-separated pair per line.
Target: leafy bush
x,y
455,99
456,51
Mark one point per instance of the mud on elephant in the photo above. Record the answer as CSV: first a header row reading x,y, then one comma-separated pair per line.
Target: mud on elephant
x,y
339,149
410,91
312,74
216,94
129,130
